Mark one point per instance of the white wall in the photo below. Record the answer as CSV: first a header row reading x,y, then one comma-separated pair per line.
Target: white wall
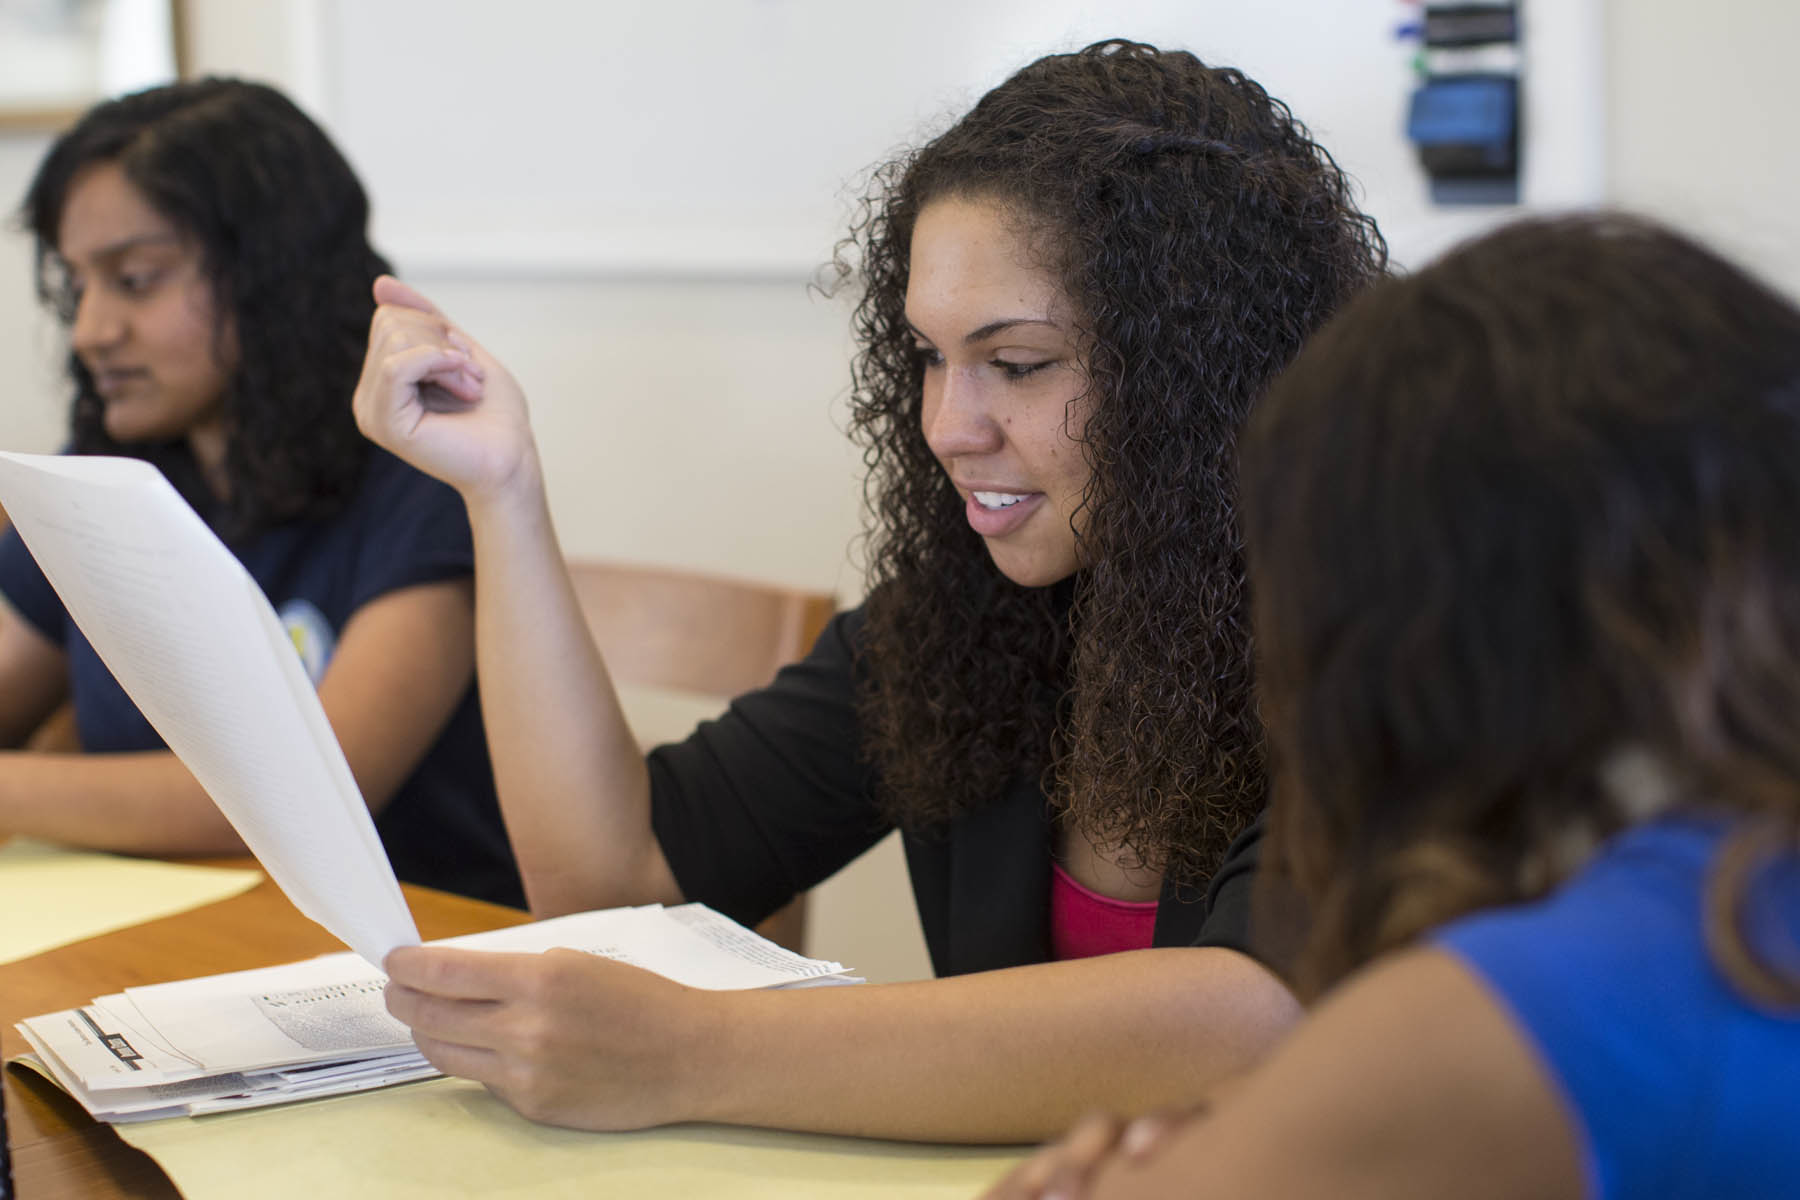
x,y
629,137
624,201
686,421
33,410
1703,100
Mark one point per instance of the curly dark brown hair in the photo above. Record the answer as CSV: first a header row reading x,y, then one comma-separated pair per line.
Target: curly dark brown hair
x,y
281,222
1522,538
1200,234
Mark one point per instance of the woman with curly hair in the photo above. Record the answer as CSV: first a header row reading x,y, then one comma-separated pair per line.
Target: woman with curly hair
x,y
205,245
1072,298
1527,591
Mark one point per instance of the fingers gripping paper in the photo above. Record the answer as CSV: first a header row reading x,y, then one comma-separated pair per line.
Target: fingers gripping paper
x,y
194,643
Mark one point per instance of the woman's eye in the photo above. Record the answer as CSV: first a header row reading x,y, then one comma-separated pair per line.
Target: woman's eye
x,y
1019,370
136,283
928,356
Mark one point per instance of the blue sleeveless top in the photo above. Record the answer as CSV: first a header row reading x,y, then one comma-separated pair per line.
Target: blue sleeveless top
x,y
1679,1086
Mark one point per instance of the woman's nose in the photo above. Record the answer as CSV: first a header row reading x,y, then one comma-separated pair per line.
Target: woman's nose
x,y
98,323
956,415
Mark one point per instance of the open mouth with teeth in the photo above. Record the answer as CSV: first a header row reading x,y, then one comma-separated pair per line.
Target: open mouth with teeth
x,y
997,500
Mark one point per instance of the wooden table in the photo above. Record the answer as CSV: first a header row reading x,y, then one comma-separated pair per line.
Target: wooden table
x,y
57,1149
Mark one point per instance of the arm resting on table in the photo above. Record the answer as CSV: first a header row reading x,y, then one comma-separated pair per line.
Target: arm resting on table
x,y
401,667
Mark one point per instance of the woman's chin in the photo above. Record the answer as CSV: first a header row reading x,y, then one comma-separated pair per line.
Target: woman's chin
x,y
128,429
1031,572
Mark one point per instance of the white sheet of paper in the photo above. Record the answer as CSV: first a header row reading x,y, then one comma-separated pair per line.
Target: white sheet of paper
x,y
689,943
194,643
274,1016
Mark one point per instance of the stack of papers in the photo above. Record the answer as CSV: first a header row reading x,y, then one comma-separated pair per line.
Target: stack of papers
x,y
321,1028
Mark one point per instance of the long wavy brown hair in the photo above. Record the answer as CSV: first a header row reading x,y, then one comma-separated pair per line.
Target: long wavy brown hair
x,y
1200,235
1522,533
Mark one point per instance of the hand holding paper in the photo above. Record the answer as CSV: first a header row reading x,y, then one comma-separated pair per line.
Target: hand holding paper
x,y
578,1040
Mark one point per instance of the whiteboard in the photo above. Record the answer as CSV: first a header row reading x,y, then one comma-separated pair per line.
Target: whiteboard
x,y
730,137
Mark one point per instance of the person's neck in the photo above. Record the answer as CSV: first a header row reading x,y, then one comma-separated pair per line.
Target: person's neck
x,y
208,444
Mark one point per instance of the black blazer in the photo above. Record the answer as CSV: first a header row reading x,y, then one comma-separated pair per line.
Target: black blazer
x,y
775,796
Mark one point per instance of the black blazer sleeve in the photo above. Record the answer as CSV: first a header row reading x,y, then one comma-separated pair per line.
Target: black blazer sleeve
x,y
1228,894
774,796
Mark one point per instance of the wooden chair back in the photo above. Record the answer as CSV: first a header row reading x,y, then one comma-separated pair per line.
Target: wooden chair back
x,y
686,631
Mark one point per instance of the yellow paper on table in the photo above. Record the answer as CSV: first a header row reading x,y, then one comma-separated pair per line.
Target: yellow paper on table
x,y
51,896
449,1137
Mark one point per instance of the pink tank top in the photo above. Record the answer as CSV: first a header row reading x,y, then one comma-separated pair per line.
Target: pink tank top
x,y
1084,923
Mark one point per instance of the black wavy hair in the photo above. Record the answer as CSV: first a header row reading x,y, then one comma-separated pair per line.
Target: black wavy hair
x,y
281,225
1200,235
1522,535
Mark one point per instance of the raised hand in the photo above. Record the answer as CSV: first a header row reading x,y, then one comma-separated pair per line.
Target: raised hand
x,y
431,395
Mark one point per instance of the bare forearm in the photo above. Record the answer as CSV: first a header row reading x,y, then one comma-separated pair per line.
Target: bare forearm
x,y
145,803
573,789
1410,1080
1004,1056
573,785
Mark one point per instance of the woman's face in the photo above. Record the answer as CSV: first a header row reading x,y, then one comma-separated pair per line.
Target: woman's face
x,y
1002,377
145,324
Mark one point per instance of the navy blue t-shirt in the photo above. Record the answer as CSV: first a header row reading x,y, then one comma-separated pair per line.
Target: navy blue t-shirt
x,y
443,827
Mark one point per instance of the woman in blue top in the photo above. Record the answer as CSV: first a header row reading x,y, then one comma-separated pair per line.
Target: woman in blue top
x,y
206,245
1522,535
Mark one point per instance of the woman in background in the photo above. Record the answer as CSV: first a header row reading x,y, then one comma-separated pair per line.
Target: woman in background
x,y
1072,298
206,246
1527,591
